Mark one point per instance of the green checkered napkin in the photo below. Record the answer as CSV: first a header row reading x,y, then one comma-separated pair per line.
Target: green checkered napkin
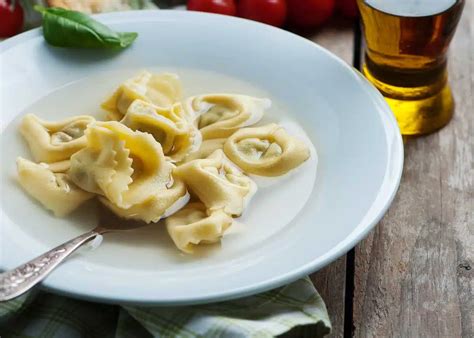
x,y
44,315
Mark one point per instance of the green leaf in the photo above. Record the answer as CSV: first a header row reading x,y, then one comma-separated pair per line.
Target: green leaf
x,y
127,38
64,28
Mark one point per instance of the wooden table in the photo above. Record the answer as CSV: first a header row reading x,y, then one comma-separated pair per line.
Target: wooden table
x,y
413,276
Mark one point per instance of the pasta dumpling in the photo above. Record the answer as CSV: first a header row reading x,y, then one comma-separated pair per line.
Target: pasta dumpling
x,y
54,141
220,115
160,89
217,183
193,225
162,203
169,127
58,167
53,190
125,166
266,150
155,152
206,149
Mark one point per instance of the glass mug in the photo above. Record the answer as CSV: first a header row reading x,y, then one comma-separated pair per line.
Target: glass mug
x,y
406,58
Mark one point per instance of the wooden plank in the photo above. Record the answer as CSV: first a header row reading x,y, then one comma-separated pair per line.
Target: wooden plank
x,y
330,281
331,284
414,273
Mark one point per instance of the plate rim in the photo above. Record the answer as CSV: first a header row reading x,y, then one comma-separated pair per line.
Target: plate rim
x,y
385,198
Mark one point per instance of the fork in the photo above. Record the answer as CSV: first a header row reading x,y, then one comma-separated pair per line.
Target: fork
x,y
16,282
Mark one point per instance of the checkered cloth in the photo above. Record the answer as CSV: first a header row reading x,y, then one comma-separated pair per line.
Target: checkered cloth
x,y
44,315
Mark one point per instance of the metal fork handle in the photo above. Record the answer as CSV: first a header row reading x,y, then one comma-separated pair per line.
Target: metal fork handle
x,y
15,282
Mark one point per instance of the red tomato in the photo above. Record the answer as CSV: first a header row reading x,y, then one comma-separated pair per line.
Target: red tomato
x,y
11,18
348,8
309,13
272,12
226,7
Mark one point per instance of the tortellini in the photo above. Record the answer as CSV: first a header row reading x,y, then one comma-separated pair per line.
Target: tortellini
x,y
169,126
54,141
194,225
53,190
220,115
206,149
217,183
58,167
265,151
156,153
163,203
125,166
160,89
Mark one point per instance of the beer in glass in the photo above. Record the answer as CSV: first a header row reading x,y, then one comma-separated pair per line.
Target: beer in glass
x,y
406,58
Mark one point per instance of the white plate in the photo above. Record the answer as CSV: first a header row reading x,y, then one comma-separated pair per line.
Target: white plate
x,y
310,224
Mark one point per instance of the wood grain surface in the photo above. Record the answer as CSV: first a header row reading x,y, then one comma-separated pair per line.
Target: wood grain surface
x,y
414,273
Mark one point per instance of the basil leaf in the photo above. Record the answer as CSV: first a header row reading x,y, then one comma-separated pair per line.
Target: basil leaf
x,y
64,28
